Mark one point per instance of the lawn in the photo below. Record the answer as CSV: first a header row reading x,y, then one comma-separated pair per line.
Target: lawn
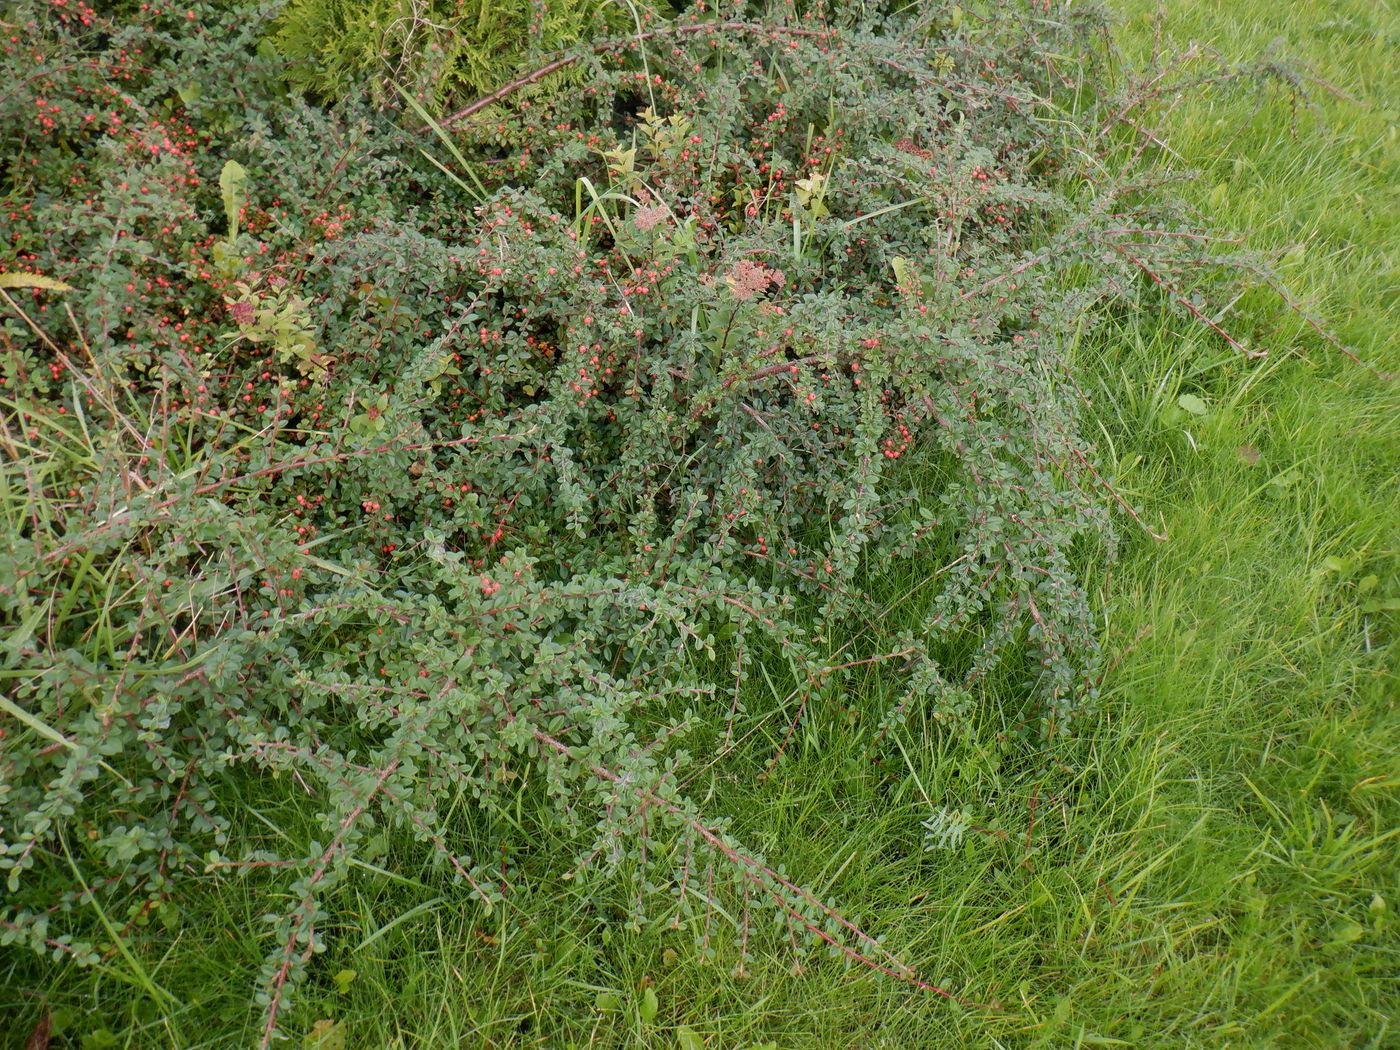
x,y
1211,861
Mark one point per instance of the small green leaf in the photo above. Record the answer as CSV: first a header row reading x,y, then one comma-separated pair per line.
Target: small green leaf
x,y
1193,404
1367,584
688,1039
608,1002
1338,565
1348,933
343,980
647,1009
169,913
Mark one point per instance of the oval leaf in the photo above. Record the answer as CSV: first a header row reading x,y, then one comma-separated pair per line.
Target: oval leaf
x,y
1193,404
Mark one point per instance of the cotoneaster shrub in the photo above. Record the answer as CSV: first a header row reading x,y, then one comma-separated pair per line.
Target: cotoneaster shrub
x,y
443,485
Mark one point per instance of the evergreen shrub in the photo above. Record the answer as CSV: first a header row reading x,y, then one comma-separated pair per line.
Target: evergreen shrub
x,y
420,474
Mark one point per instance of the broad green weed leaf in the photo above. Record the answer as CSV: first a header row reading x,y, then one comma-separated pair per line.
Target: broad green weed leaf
x,y
648,1007
231,182
1376,605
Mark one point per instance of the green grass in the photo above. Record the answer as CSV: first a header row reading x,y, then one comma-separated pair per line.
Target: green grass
x,y
1213,864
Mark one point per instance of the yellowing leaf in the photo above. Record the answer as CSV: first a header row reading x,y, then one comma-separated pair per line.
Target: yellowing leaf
x,y
325,1035
33,280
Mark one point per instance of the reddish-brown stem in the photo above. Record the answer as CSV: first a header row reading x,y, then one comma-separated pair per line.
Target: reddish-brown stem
x,y
767,879
1191,307
564,61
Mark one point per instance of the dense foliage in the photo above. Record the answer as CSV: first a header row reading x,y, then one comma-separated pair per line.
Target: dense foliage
x,y
445,471
450,49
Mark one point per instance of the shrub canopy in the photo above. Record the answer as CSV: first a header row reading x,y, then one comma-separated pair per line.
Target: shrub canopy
x,y
441,470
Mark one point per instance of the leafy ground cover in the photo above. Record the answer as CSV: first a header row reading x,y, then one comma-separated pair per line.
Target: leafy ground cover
x,y
1207,861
